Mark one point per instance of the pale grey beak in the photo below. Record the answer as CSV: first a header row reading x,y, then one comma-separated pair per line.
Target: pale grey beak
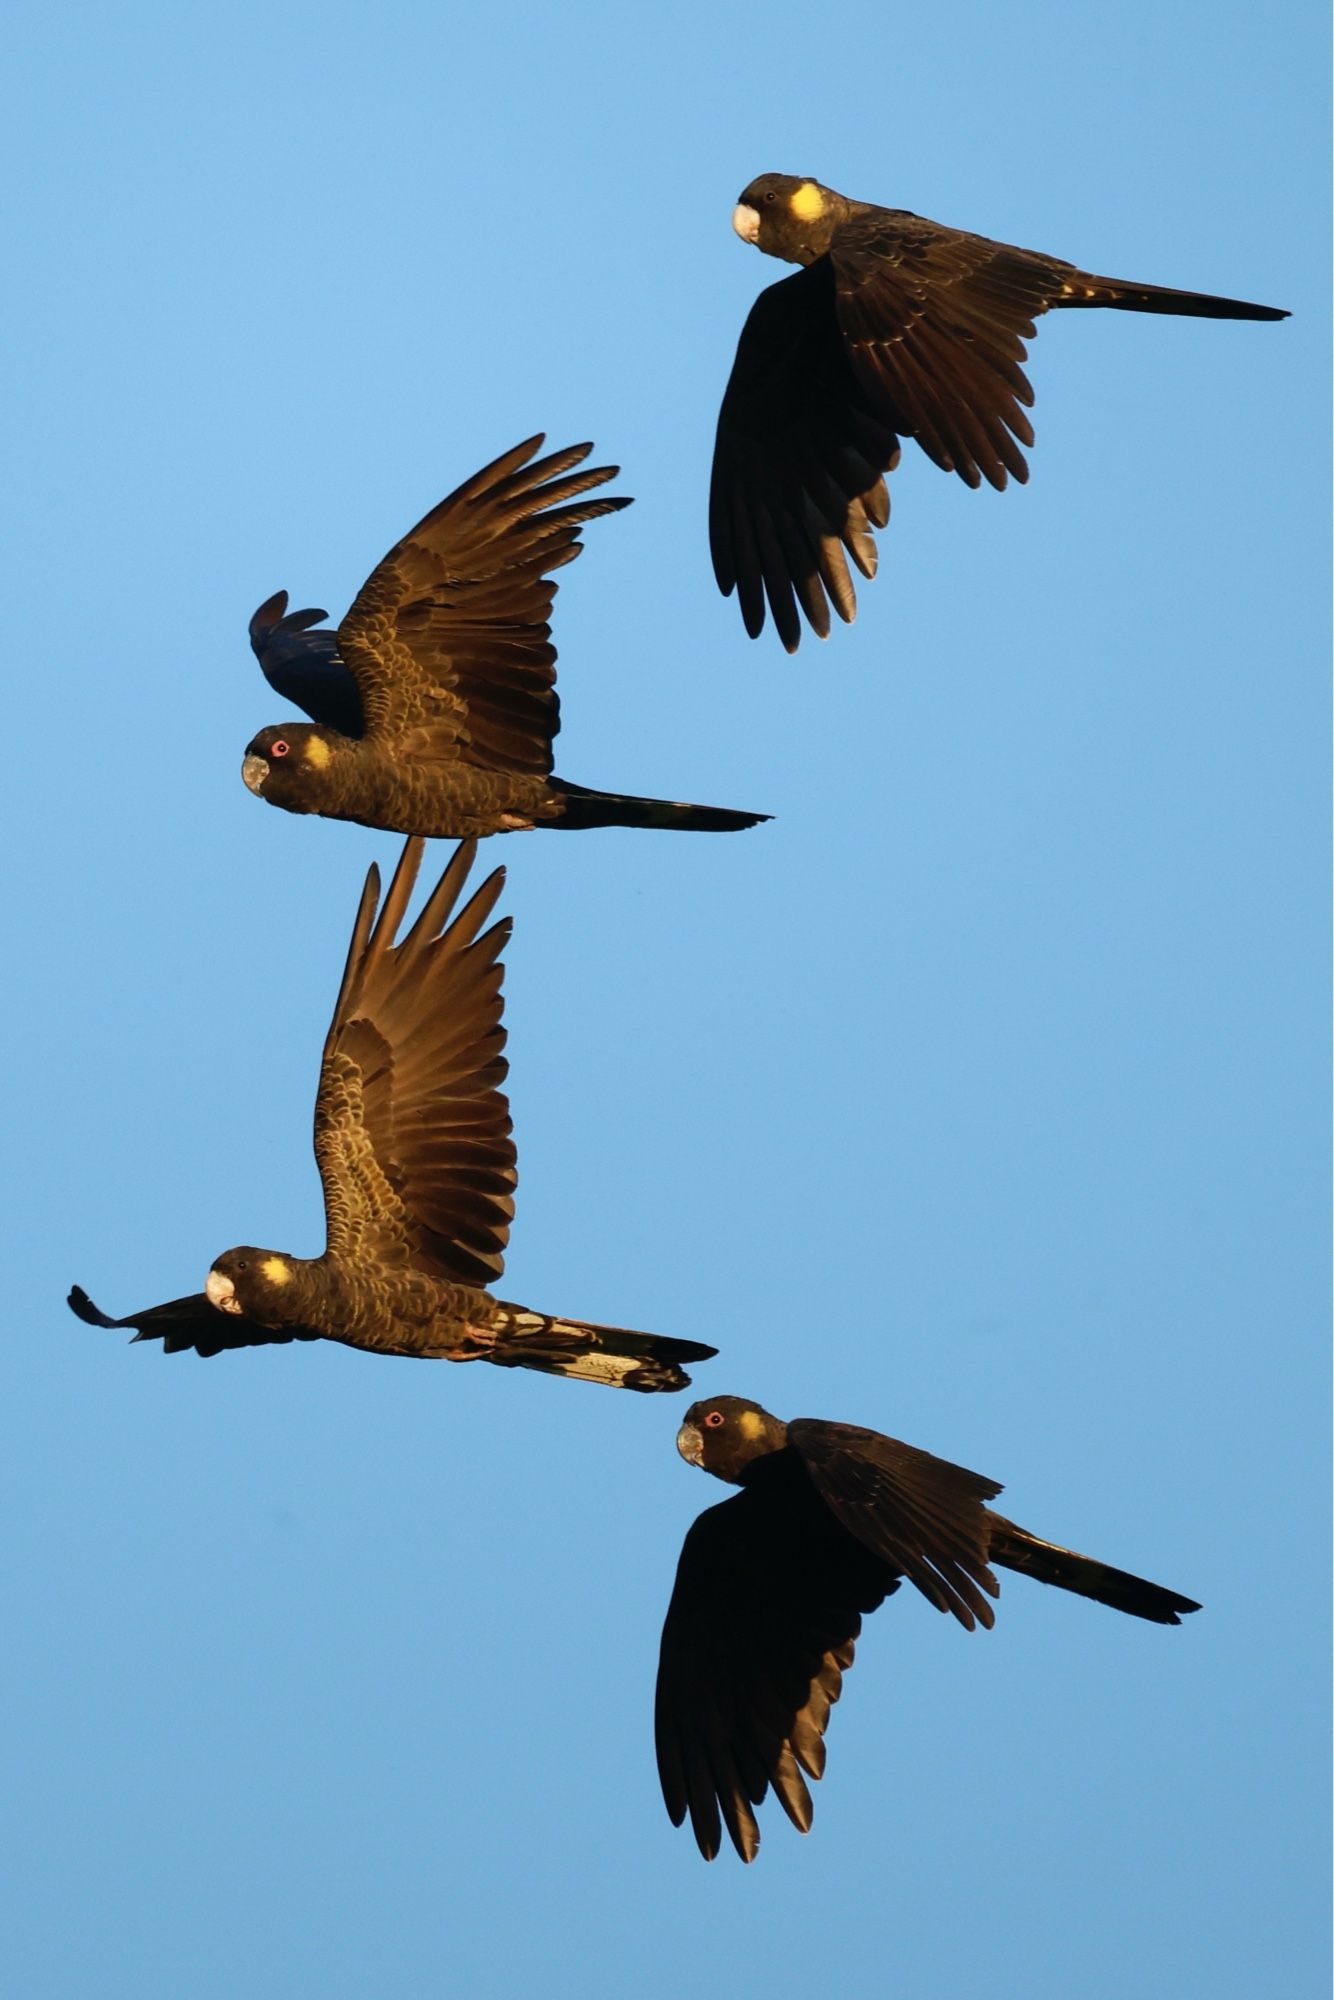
x,y
255,770
690,1445
220,1291
746,222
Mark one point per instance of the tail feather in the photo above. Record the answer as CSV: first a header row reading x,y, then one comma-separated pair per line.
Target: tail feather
x,y
1014,1548
586,1352
1083,289
584,808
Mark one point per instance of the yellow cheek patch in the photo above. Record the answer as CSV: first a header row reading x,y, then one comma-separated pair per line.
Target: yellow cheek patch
x,y
277,1270
317,752
751,1424
807,203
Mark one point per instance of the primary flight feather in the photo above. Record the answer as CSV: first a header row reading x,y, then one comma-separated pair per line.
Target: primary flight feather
x,y
772,1587
894,327
434,705
412,1140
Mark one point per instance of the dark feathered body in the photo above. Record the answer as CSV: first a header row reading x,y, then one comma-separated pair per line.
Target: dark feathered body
x,y
412,1139
406,784
409,1312
398,784
385,1311
434,704
410,1315
772,1587
895,326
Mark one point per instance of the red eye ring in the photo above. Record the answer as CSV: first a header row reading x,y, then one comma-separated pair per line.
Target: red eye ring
x,y
279,747
714,1420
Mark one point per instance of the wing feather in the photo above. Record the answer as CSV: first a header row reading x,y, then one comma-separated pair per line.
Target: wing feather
x,y
189,1324
935,321
412,1128
766,1608
923,1516
449,637
798,464
304,665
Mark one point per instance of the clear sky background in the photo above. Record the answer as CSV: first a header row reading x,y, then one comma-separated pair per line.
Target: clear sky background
x,y
980,1098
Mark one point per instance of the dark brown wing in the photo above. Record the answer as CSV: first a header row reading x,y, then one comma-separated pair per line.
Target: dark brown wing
x,y
183,1324
935,322
923,1516
768,1602
449,640
411,1124
797,464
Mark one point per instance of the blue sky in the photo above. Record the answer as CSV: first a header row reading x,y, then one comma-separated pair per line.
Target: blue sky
x,y
980,1098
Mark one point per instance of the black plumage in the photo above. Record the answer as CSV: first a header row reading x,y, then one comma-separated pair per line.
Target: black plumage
x,y
773,1584
412,1140
434,705
894,327
305,666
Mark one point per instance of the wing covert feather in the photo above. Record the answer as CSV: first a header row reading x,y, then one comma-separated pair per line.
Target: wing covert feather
x,y
924,1516
935,321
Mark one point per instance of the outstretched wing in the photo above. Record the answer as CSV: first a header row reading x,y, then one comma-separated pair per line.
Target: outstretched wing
x,y
411,1124
449,639
936,319
922,1515
935,322
797,464
191,1323
767,1606
305,666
